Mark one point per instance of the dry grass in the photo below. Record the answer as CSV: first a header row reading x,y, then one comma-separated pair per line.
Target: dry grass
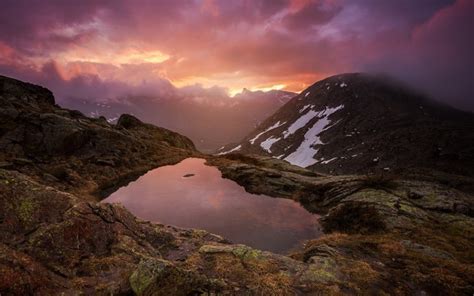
x,y
354,217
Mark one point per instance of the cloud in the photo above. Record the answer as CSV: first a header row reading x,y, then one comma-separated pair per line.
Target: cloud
x,y
105,48
438,56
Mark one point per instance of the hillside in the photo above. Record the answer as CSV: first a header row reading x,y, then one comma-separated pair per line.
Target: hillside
x,y
65,147
357,123
381,235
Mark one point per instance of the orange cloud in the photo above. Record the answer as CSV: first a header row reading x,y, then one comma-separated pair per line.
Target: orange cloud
x,y
256,44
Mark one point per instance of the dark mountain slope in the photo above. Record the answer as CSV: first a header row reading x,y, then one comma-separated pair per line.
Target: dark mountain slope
x,y
356,123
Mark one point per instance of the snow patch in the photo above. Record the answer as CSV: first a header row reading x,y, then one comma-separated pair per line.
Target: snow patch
x,y
231,150
305,107
307,94
342,85
303,156
252,141
267,144
329,160
112,119
300,122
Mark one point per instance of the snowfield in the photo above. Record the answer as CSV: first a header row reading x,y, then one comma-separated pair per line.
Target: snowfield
x,y
304,155
300,122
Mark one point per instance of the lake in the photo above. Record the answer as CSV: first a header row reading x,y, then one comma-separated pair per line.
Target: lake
x,y
191,194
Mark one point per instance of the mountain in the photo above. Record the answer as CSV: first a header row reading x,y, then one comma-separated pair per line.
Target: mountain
x,y
357,123
210,120
56,237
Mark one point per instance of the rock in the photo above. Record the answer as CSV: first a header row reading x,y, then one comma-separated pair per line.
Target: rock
x,y
320,251
128,121
22,161
161,277
188,175
415,195
5,165
30,93
104,161
50,178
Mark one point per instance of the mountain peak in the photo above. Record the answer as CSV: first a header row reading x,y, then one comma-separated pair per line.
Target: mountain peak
x,y
356,122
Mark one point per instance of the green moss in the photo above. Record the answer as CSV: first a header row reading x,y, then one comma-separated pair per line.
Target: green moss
x,y
246,253
241,251
212,249
322,271
146,273
25,210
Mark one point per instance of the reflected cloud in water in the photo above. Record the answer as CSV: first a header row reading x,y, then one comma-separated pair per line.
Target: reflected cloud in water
x,y
208,201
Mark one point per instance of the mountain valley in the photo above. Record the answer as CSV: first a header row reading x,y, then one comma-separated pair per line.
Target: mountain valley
x,y
384,231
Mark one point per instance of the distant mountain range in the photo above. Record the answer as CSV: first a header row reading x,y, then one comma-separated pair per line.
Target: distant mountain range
x,y
355,123
210,122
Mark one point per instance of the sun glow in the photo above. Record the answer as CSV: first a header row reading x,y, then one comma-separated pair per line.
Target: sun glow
x,y
130,56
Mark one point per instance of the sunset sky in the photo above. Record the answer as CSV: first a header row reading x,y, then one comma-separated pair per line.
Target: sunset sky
x,y
101,49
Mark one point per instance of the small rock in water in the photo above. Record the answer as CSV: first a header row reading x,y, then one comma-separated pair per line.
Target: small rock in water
x,y
188,175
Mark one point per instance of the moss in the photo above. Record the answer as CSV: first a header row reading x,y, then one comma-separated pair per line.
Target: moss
x,y
160,277
25,210
246,253
145,274
198,233
323,270
211,249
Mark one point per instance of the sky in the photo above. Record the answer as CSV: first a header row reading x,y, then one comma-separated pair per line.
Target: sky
x,y
108,48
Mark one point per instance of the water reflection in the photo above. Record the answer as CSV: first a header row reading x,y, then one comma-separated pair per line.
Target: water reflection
x,y
191,194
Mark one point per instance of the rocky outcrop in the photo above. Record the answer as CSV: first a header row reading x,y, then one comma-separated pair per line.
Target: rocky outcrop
x,y
397,234
75,153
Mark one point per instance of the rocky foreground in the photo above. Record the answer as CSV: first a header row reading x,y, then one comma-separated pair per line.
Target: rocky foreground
x,y
405,234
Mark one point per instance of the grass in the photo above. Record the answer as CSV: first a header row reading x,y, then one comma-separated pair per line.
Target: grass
x,y
354,217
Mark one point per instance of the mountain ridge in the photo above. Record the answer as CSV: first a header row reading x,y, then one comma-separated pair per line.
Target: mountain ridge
x,y
356,123
210,122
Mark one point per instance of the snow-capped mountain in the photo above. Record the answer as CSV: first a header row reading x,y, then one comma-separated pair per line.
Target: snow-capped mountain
x,y
210,121
357,123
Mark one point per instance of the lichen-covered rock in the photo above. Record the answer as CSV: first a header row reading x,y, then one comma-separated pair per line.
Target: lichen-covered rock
x,y
383,237
161,277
